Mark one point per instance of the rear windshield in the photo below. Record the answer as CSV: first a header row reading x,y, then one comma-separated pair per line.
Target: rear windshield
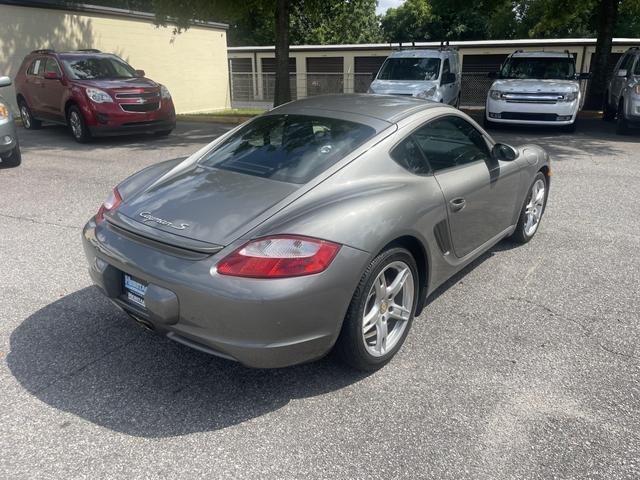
x,y
539,68
288,148
97,68
411,68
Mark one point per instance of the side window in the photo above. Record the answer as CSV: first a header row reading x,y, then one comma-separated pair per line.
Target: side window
x,y
52,66
636,71
36,67
408,155
451,141
626,62
446,69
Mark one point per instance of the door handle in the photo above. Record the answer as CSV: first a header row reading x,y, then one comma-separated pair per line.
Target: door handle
x,y
458,204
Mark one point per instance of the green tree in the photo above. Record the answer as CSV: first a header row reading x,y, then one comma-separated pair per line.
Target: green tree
x,y
411,21
420,20
351,21
348,21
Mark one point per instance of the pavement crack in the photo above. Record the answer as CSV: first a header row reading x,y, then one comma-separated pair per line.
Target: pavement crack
x,y
615,352
40,222
586,330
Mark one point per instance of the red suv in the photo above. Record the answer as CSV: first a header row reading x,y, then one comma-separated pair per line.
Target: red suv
x,y
93,93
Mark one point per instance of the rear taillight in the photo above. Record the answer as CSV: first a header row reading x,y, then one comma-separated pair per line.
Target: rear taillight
x,y
279,256
111,202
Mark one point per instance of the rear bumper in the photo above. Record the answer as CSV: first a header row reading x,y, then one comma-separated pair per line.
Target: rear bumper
x,y
260,323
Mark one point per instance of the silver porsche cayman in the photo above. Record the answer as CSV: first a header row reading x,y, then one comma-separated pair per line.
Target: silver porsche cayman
x,y
321,225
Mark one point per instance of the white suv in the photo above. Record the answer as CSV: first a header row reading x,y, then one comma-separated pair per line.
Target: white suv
x,y
535,88
431,74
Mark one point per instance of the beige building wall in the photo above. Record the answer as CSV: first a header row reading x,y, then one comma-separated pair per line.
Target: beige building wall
x,y
193,64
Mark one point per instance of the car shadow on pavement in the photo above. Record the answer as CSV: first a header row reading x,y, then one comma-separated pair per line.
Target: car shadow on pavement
x,y
82,355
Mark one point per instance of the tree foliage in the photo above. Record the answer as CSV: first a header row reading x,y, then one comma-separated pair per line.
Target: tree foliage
x,y
434,20
350,21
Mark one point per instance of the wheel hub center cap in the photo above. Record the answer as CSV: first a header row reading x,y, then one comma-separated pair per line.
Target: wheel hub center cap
x,y
384,306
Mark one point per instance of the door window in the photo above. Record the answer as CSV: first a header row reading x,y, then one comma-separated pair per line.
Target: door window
x,y
36,67
446,69
626,62
52,66
408,155
451,141
636,71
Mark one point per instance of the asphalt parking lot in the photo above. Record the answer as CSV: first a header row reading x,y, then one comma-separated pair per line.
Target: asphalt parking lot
x,y
526,365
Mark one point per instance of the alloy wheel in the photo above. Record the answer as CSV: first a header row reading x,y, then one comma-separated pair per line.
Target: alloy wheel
x,y
388,308
76,124
26,117
535,207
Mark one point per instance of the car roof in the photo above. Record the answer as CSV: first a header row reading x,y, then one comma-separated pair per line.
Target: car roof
x,y
81,53
386,108
543,54
424,53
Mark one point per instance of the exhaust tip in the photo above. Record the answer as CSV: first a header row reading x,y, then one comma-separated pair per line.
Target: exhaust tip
x,y
146,324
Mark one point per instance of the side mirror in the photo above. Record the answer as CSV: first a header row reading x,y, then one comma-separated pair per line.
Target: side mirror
x,y
5,81
51,76
504,152
492,74
621,73
583,76
139,73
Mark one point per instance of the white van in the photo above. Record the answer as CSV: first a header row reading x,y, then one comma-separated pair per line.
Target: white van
x,y
431,74
535,88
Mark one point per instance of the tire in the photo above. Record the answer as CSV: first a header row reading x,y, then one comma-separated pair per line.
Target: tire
x,y
570,128
608,113
622,126
523,232
488,124
163,133
352,347
28,120
12,158
77,125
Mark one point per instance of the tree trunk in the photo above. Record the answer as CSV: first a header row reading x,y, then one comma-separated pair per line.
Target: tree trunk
x,y
283,90
608,15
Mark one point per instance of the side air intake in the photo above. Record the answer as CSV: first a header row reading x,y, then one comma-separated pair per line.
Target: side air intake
x,y
441,232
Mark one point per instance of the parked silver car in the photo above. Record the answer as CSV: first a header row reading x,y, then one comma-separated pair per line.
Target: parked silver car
x,y
9,147
622,98
323,223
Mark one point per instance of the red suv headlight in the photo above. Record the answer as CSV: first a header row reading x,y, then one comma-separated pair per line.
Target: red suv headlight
x,y
279,256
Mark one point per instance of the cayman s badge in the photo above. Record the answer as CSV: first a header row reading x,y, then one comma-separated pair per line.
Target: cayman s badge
x,y
161,221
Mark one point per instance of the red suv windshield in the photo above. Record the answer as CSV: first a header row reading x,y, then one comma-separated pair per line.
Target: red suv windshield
x,y
97,68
